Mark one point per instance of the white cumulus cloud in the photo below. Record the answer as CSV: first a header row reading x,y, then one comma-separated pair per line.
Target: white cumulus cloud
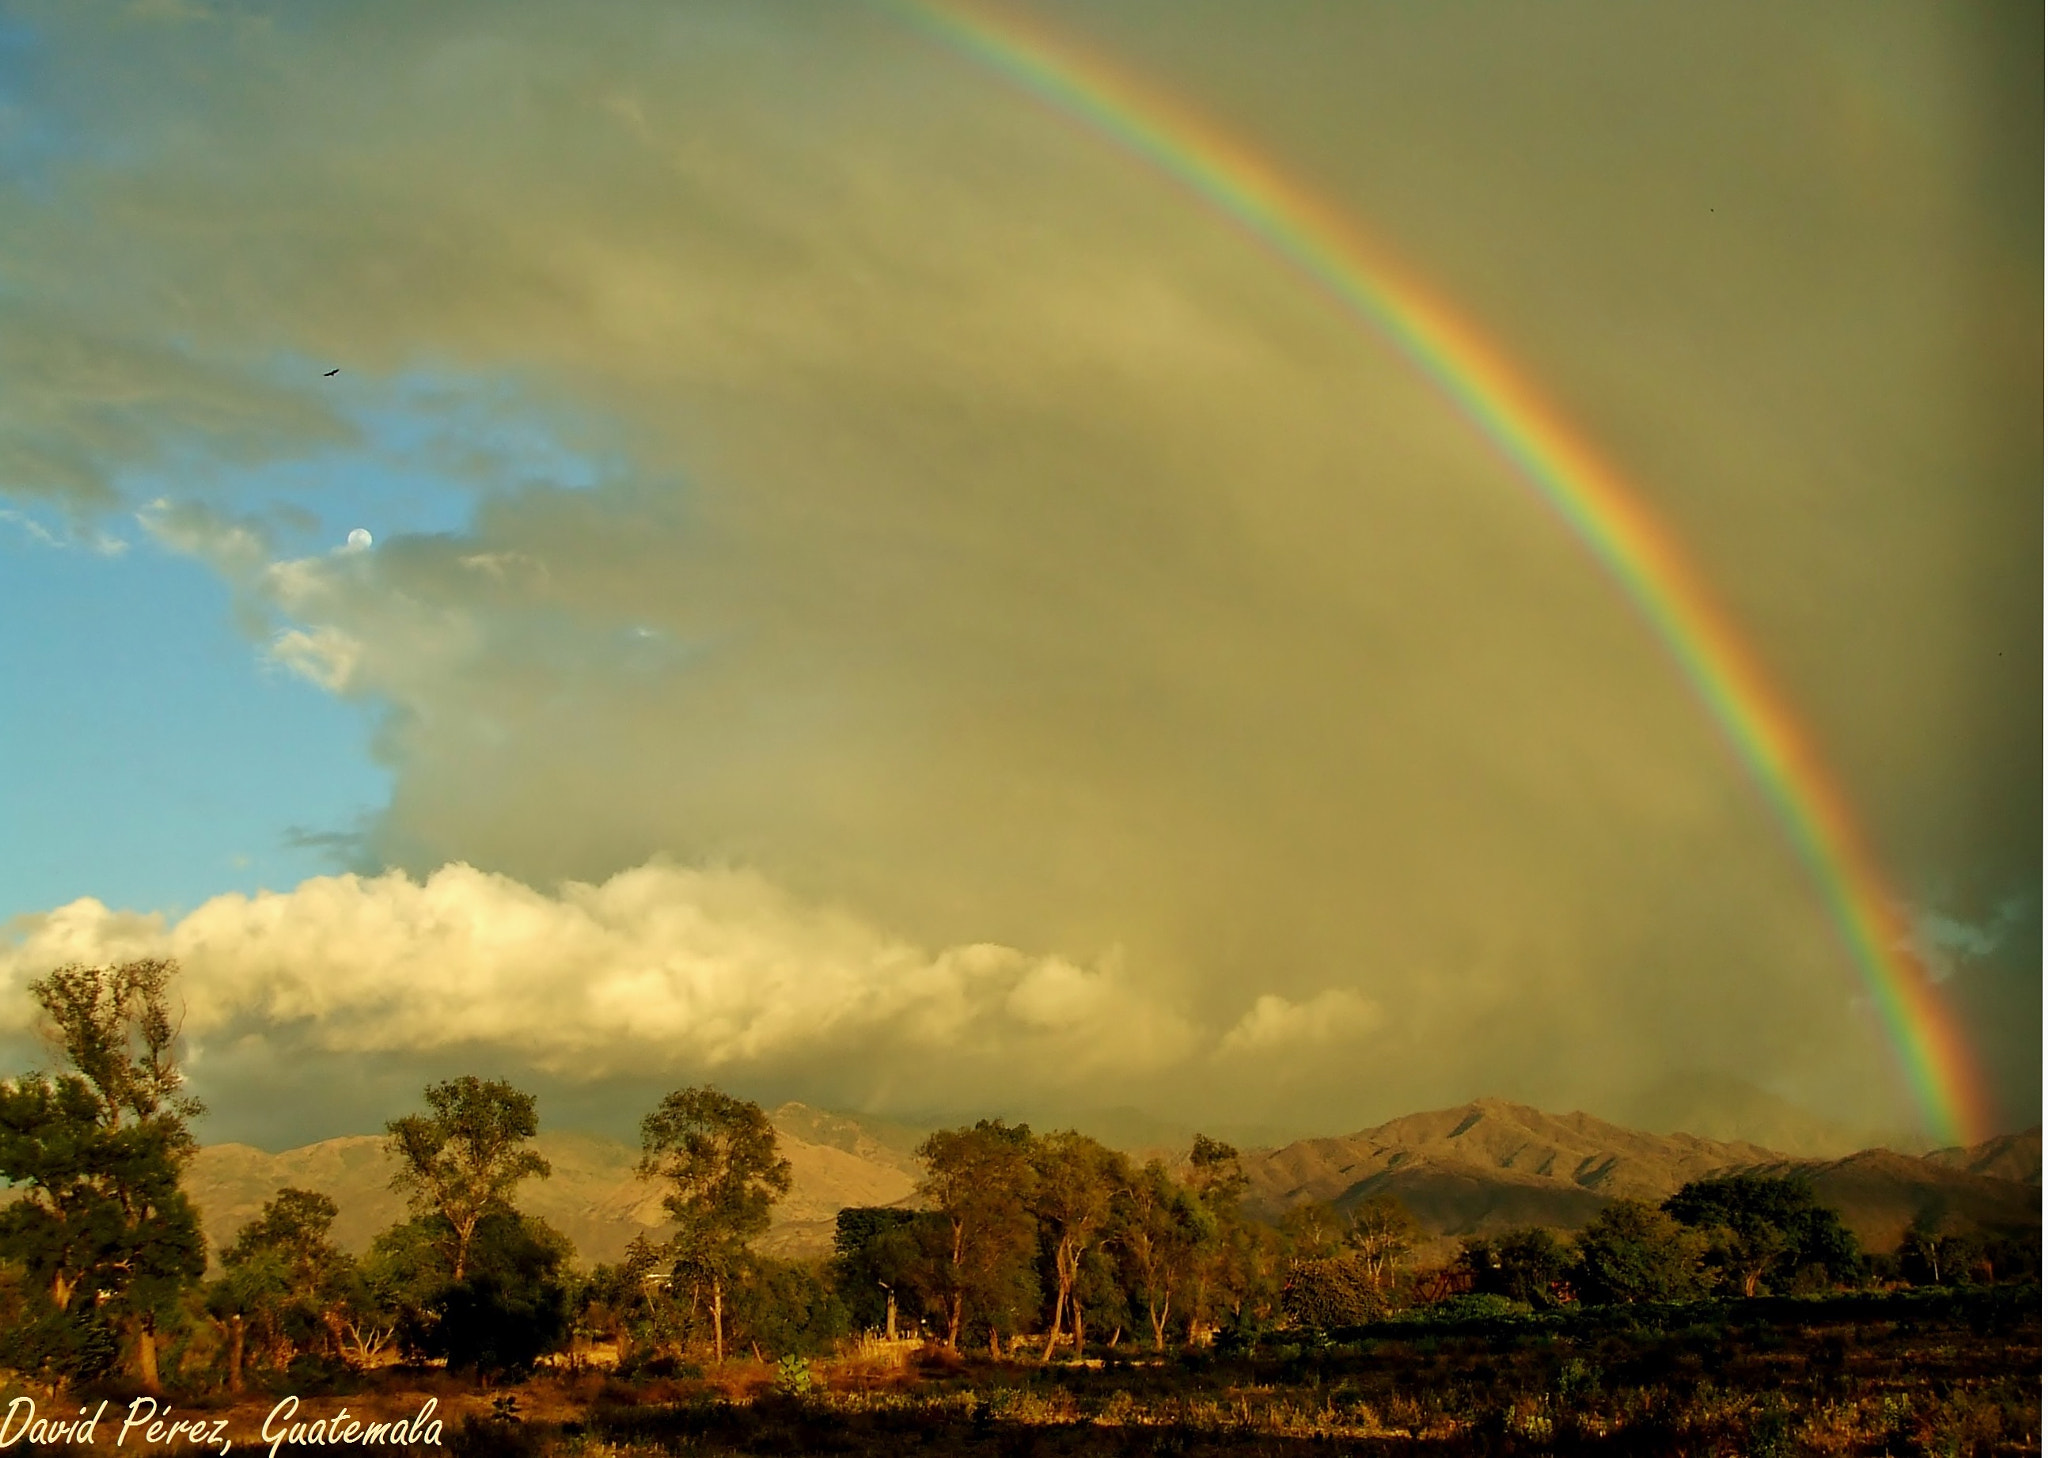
x,y
1274,1023
657,968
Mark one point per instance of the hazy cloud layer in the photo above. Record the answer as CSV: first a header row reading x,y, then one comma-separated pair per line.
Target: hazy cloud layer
x,y
974,534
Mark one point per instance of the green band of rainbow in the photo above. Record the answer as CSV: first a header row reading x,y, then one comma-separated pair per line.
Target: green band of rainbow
x,y
1569,475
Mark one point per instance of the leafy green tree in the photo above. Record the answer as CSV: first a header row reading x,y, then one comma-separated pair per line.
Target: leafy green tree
x,y
718,1155
1215,1175
102,1229
977,1255
1937,1249
785,1308
1160,1230
1762,1228
1634,1252
1076,1180
617,1301
463,1158
511,1306
1530,1265
875,1252
286,1279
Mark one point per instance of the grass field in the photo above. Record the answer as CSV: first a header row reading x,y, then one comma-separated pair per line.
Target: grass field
x,y
1945,1373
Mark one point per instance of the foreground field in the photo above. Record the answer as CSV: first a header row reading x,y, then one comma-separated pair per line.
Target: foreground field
x,y
1959,1374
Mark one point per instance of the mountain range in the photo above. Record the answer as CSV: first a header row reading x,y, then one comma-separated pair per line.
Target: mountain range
x,y
1483,1166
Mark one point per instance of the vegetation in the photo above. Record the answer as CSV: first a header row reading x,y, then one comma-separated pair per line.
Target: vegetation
x,y
718,1155
462,1159
102,1241
1040,1288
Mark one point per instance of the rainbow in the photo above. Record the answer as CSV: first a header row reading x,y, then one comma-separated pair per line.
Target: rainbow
x,y
1566,472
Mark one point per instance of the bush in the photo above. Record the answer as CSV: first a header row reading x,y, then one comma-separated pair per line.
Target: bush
x,y
1334,1291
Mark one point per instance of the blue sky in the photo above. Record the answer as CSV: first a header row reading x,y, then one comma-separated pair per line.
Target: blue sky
x,y
153,758
157,755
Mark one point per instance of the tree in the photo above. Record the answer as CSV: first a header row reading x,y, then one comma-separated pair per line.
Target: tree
x,y
874,1261
1382,1232
1530,1265
1937,1249
1160,1229
719,1157
1314,1230
1760,1227
981,1182
102,1227
114,1025
1076,1179
1634,1252
512,1306
786,1307
284,1276
463,1159
1215,1176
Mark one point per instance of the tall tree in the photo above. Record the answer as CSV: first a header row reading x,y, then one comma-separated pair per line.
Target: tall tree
x,y
285,1276
1215,1174
874,1261
718,1154
981,1182
98,1154
1077,1178
1160,1229
1382,1232
114,1025
463,1158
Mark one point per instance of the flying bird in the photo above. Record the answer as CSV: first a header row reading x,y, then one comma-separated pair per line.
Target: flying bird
x,y
331,373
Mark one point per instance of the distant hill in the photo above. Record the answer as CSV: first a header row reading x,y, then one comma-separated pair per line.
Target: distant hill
x,y
1879,1193
1483,1166
1490,1165
2008,1157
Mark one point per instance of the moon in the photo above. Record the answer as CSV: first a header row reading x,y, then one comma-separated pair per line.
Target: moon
x,y
359,539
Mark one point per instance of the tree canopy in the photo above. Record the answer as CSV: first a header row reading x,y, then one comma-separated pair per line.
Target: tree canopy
x,y
718,1155
465,1156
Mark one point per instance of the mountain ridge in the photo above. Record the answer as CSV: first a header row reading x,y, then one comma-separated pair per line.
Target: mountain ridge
x,y
1484,1165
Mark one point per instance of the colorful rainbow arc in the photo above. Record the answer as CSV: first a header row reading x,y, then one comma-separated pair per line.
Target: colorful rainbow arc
x,y
1594,501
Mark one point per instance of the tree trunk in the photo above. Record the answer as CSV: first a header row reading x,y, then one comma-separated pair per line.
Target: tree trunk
x,y
995,1346
956,1306
1059,1316
145,1352
718,1320
1160,1316
1080,1345
891,1328
235,1354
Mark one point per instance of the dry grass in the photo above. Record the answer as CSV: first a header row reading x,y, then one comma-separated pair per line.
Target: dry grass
x,y
1949,1380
